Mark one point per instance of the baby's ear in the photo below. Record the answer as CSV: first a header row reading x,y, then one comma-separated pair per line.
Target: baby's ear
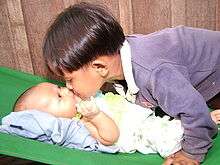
x,y
101,67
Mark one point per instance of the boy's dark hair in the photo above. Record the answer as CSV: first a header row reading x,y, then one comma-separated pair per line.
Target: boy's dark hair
x,y
79,35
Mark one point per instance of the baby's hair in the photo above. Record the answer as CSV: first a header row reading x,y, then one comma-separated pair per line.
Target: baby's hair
x,y
20,102
79,35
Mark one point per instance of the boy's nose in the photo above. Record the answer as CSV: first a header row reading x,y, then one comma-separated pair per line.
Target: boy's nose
x,y
65,91
69,85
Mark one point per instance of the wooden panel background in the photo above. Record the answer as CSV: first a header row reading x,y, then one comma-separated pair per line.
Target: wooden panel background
x,y
23,23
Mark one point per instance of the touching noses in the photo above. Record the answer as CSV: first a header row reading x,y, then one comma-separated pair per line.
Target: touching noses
x,y
69,85
65,92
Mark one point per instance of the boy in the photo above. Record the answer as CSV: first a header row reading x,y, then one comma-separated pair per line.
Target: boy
x,y
176,68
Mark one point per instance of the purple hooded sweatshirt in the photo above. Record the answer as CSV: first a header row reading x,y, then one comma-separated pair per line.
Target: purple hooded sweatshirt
x,y
179,70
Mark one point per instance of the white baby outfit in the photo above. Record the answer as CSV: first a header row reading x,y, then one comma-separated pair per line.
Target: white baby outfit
x,y
140,129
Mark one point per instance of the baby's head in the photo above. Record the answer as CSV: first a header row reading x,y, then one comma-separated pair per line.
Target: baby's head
x,y
50,98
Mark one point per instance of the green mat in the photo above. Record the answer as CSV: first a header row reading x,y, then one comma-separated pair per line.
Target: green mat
x,y
13,83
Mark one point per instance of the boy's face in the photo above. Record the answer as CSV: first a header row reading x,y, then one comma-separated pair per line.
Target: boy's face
x,y
84,82
50,98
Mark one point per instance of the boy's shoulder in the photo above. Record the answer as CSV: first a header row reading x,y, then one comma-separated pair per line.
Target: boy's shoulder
x,y
151,50
161,32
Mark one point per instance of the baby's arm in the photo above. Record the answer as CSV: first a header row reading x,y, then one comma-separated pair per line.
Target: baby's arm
x,y
102,127
216,116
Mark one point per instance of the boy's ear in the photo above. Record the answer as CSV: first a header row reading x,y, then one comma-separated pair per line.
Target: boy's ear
x,y
101,67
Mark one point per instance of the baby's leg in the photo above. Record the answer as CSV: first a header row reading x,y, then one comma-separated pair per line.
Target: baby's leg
x,y
216,116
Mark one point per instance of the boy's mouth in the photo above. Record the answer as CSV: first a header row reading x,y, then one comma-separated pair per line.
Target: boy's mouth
x,y
76,94
81,96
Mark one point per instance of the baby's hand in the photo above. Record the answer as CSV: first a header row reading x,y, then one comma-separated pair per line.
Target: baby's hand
x,y
88,109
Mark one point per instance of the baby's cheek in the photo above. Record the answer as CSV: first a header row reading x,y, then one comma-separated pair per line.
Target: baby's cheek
x,y
70,108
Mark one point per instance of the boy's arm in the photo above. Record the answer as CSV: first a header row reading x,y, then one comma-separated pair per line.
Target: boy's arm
x,y
178,98
101,126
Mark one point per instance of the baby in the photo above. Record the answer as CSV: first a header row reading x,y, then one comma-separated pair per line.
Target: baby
x,y
106,116
60,102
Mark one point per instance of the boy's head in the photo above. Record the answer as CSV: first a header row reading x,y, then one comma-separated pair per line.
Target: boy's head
x,y
50,98
83,35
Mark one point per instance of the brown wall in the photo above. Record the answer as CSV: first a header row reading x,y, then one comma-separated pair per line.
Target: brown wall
x,y
24,22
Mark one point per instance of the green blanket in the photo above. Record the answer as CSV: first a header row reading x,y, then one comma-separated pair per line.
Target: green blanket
x,y
13,83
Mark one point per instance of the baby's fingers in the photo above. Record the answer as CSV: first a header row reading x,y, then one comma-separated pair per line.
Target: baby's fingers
x,y
83,108
93,107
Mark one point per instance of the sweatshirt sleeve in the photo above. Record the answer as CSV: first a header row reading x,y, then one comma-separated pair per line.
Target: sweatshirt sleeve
x,y
178,98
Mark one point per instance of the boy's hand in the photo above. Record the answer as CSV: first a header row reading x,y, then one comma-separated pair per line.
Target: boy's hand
x,y
180,159
216,116
88,109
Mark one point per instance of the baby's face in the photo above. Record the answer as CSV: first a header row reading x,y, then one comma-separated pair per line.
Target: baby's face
x,y
58,101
